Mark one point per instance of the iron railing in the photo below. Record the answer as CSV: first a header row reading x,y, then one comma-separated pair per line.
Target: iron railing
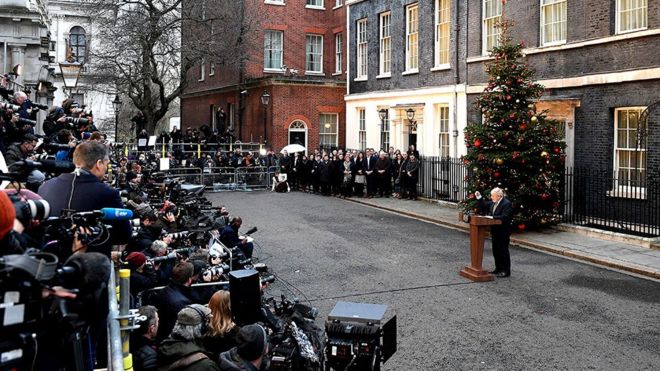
x,y
595,198
442,178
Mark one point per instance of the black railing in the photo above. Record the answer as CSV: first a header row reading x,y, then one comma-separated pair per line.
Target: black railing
x,y
595,198
442,178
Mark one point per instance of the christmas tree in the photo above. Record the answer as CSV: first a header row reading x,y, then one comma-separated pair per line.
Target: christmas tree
x,y
515,147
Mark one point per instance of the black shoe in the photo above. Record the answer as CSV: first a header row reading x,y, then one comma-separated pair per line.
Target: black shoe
x,y
502,274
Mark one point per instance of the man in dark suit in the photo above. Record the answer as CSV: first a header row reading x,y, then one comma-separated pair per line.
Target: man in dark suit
x,y
369,169
84,190
229,237
499,207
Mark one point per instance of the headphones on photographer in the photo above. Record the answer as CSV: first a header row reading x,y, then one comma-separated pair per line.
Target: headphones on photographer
x,y
205,319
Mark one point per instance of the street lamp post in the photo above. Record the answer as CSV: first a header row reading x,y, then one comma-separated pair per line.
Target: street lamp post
x,y
70,70
265,100
116,104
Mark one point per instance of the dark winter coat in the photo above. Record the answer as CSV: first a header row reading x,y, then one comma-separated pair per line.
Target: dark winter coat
x,y
169,302
219,344
145,356
172,350
231,361
413,169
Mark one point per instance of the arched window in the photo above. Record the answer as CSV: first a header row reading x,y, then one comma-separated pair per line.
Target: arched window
x,y
298,133
78,44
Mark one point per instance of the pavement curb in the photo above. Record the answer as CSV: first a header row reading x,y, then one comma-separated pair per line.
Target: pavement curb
x,y
572,254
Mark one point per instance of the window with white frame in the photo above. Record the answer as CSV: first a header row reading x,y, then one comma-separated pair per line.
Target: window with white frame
x,y
339,3
631,15
328,130
339,44
273,50
443,136
385,131
442,21
492,15
202,70
315,3
412,40
629,148
362,49
553,22
362,128
78,44
385,45
314,53
212,69
274,2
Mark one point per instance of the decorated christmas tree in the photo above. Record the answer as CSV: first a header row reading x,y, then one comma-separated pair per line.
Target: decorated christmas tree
x,y
515,148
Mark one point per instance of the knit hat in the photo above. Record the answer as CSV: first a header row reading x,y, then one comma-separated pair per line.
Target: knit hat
x,y
7,215
190,315
136,259
251,342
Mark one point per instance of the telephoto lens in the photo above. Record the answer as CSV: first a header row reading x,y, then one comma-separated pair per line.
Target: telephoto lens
x,y
27,211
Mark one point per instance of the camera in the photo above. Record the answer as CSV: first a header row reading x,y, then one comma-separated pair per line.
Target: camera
x,y
178,235
9,107
215,273
22,122
76,121
31,210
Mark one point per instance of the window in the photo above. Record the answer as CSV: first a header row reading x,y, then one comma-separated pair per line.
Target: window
x,y
629,149
314,52
315,4
202,70
338,50
273,50
328,131
385,132
338,3
553,22
362,49
442,32
631,15
362,128
492,15
211,69
385,45
78,44
443,136
276,2
412,25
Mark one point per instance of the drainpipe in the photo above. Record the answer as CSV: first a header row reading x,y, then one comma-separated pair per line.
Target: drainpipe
x,y
456,79
4,62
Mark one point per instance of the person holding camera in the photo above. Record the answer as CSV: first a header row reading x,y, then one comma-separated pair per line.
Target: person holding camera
x,y
175,296
21,152
143,276
229,237
143,341
84,190
499,207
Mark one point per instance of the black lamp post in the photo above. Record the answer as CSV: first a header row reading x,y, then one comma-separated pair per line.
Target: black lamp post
x,y
116,104
265,100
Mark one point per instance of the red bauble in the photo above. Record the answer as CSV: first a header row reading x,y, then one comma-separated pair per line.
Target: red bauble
x,y
557,150
521,227
555,204
508,97
523,126
545,196
496,174
477,143
512,116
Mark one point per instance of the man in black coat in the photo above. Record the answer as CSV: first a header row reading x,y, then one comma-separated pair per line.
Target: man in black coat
x,y
143,341
499,207
229,237
174,297
84,190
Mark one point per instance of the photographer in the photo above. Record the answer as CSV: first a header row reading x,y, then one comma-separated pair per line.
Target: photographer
x,y
21,152
143,276
229,237
55,121
143,341
83,190
174,297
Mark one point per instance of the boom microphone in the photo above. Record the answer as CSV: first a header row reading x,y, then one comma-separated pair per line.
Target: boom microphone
x,y
112,214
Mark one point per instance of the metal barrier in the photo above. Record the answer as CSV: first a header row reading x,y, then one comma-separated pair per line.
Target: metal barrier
x,y
192,175
253,177
196,149
116,358
442,178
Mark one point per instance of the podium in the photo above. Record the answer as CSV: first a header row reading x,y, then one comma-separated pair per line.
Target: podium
x,y
478,227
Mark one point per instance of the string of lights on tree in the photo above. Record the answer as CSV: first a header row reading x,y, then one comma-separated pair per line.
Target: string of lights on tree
x,y
515,147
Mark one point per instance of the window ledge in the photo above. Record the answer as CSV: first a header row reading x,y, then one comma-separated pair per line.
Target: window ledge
x,y
273,70
337,73
274,3
384,76
314,7
363,78
441,67
337,7
553,43
311,73
211,74
410,72
630,31
634,193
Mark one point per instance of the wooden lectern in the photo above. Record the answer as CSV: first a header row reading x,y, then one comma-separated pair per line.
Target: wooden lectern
x,y
478,226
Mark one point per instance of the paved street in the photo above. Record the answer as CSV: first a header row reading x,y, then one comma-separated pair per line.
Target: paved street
x,y
552,313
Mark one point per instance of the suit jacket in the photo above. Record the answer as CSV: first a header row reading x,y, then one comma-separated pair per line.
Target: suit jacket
x,y
503,212
87,193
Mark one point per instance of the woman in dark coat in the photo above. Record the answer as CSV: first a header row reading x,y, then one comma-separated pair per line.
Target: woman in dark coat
x,y
303,173
347,176
396,174
412,176
359,176
221,335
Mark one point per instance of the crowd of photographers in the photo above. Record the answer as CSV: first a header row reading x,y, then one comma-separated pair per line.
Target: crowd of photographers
x,y
74,205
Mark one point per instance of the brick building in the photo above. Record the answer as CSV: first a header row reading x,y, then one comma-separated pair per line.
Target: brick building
x,y
295,54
